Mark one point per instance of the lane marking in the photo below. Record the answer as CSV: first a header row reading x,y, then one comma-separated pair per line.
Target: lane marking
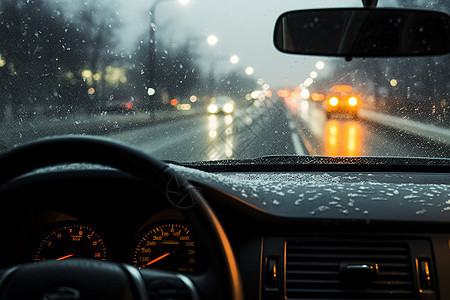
x,y
298,147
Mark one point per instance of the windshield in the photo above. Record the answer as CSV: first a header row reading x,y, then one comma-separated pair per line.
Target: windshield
x,y
196,80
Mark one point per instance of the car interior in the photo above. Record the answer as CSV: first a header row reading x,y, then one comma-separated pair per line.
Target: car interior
x,y
89,217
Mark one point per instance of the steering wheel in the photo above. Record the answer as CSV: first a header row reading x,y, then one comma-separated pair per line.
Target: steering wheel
x,y
89,279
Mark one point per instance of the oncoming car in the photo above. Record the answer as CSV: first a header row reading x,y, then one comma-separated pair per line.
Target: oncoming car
x,y
221,105
343,100
254,195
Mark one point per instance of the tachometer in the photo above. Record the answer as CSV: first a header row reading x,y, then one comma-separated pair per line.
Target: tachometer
x,y
73,240
168,246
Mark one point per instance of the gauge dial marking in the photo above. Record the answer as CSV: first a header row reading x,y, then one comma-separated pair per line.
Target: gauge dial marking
x,y
76,239
169,246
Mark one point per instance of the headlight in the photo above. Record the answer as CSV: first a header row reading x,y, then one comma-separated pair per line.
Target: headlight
x,y
333,101
352,101
212,108
228,108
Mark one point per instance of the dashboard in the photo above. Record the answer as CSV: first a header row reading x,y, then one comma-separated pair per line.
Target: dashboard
x,y
296,235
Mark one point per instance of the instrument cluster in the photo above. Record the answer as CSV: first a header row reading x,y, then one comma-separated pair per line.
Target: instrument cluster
x,y
162,243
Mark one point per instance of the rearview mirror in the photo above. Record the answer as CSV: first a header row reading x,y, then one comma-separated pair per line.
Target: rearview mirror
x,y
362,32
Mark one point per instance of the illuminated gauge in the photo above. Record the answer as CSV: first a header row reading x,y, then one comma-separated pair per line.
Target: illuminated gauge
x,y
169,247
74,240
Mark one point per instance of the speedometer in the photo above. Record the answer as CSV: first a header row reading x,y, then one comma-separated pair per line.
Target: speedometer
x,y
72,240
168,246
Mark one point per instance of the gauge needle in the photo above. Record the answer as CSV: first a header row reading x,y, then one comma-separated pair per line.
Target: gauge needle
x,y
64,257
156,259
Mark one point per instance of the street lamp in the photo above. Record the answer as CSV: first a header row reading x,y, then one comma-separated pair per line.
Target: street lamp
x,y
234,59
320,65
308,81
212,40
249,71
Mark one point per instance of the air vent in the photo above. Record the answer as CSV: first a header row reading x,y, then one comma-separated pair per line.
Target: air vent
x,y
353,269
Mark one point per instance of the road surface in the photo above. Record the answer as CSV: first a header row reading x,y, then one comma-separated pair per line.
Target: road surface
x,y
274,130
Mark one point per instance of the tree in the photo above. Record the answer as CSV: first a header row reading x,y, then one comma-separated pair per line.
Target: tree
x,y
47,47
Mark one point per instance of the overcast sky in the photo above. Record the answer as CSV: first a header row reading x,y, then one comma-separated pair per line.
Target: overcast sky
x,y
243,28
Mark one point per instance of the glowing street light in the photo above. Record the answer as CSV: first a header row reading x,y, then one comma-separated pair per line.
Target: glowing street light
x,y
234,59
308,81
249,71
212,40
320,65
184,2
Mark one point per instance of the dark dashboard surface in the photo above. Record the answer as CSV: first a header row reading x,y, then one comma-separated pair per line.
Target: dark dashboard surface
x,y
407,196
277,222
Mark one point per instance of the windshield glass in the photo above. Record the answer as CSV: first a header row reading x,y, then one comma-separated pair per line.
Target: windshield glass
x,y
196,80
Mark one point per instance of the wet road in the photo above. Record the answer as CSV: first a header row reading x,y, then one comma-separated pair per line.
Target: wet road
x,y
342,135
274,129
249,133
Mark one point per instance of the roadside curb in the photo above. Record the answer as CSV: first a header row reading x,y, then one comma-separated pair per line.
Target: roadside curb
x,y
435,133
